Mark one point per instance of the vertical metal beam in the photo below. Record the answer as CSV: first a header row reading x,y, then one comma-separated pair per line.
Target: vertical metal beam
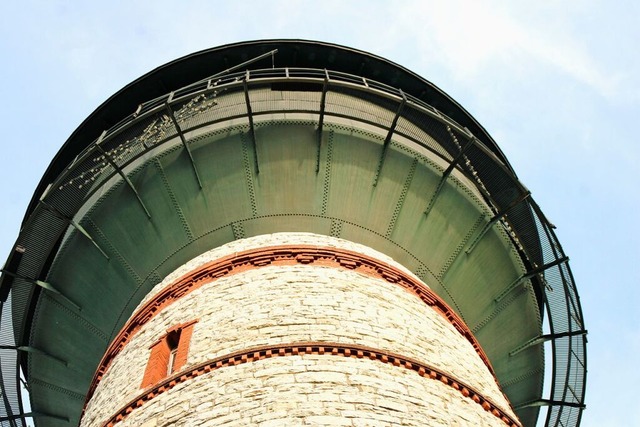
x,y
432,200
44,285
182,138
497,217
446,174
387,140
73,224
121,173
325,86
252,130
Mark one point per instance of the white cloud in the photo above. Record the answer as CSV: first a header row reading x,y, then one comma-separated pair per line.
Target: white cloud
x,y
470,37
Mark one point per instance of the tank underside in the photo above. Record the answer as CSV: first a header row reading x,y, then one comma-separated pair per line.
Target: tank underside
x,y
249,153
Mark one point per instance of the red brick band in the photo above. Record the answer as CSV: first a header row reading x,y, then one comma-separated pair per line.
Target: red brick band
x,y
323,348
279,255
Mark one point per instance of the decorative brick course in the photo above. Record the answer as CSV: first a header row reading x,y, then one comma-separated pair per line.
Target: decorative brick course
x,y
329,257
315,348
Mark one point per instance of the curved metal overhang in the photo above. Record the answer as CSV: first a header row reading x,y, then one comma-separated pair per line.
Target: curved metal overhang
x,y
291,53
270,149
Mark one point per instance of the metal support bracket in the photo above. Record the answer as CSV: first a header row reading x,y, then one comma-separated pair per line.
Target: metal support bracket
x,y
182,138
121,173
387,140
271,53
325,87
497,217
446,174
29,349
544,338
73,224
548,402
44,285
529,275
33,415
252,130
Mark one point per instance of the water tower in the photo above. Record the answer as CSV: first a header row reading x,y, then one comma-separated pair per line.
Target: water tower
x,y
287,232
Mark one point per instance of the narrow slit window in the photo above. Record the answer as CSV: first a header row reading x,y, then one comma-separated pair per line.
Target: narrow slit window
x,y
173,339
168,354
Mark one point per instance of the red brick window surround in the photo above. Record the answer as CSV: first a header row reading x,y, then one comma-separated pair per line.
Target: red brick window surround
x,y
168,354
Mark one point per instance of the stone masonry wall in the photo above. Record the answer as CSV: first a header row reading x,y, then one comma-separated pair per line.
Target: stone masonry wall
x,y
311,390
299,303
274,239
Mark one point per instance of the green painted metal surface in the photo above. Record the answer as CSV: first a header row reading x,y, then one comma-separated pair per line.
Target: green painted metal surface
x,y
286,195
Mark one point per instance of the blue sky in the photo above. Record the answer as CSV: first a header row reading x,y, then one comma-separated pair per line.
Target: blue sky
x,y
557,84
